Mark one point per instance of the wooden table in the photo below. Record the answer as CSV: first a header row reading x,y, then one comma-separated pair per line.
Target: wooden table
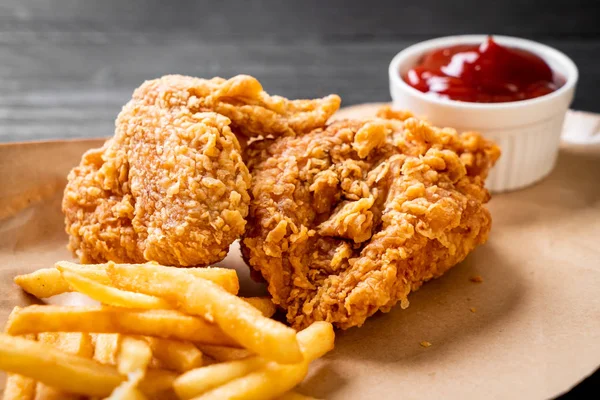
x,y
66,67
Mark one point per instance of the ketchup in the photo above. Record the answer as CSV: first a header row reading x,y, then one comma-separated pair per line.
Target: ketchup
x,y
486,73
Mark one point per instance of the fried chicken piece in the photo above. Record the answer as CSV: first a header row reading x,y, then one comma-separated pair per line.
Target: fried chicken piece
x,y
347,220
242,99
170,186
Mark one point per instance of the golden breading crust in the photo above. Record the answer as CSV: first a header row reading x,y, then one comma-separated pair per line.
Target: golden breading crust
x,y
170,186
242,99
347,220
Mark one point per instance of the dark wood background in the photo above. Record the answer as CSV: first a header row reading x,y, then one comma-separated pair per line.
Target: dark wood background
x,y
67,66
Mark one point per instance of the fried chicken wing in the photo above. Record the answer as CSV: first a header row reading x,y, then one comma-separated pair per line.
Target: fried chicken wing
x,y
170,186
347,220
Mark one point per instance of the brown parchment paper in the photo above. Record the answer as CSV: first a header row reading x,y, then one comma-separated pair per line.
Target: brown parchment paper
x,y
534,332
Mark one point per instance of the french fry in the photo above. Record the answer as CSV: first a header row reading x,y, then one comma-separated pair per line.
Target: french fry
x,y
126,391
201,380
272,379
68,372
131,356
227,278
167,324
134,356
111,296
79,344
238,319
316,340
95,272
243,322
224,353
76,343
135,276
106,347
19,387
262,304
48,282
174,354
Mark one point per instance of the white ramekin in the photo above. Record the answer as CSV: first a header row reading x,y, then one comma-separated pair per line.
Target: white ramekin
x,y
528,132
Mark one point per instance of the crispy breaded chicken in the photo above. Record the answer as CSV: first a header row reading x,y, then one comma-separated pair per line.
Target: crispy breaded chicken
x,y
171,186
348,220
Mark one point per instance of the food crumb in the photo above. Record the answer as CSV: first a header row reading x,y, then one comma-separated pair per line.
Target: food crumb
x,y
476,279
425,344
473,309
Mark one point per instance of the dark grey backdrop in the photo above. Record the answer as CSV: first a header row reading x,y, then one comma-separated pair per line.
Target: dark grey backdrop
x,y
67,66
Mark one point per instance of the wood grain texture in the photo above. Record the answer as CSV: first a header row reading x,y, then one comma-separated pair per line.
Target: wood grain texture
x,y
68,66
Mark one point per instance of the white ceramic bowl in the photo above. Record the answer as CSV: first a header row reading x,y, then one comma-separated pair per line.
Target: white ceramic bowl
x,y
528,132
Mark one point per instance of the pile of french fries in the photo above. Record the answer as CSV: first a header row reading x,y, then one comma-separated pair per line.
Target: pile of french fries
x,y
159,333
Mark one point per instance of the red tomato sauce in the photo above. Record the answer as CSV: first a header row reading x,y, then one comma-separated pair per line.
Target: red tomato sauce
x,y
486,73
